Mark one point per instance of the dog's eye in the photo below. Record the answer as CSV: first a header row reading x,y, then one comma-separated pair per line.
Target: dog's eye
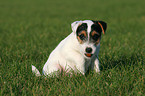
x,y
82,36
95,37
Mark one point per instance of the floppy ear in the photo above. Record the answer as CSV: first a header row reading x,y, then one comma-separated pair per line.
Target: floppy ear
x,y
102,24
75,25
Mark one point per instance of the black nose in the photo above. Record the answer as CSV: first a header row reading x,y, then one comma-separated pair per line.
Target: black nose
x,y
88,50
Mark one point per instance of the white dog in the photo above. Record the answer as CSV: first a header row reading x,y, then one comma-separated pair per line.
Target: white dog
x,y
78,51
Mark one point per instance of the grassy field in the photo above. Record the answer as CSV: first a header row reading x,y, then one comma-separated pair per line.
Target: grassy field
x,y
30,30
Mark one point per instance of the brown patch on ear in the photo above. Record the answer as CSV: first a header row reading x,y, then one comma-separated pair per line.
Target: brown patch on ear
x,y
101,27
97,42
80,41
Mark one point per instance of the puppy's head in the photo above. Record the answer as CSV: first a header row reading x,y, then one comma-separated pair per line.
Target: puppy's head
x,y
88,33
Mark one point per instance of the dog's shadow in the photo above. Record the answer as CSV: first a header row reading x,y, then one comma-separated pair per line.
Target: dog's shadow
x,y
111,62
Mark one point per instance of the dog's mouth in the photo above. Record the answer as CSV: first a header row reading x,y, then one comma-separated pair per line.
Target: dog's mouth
x,y
88,54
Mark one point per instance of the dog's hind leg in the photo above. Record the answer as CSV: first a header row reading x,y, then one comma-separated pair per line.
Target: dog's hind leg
x,y
52,70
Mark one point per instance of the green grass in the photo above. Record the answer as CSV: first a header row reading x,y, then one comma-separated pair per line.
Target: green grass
x,y
30,30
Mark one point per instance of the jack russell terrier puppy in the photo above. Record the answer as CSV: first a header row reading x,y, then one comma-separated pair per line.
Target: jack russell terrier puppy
x,y
78,51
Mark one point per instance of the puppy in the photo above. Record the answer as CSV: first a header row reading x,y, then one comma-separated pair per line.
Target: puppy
x,y
78,51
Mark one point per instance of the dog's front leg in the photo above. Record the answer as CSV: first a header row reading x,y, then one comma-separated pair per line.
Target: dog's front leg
x,y
96,65
81,68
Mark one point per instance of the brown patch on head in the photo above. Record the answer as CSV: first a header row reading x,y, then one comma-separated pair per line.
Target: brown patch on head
x,y
97,42
79,40
94,32
83,32
95,37
81,36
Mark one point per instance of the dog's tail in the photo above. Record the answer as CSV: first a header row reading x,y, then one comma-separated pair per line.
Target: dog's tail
x,y
35,71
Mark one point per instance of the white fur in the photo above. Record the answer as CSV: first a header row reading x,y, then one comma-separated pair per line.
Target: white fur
x,y
35,70
69,54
